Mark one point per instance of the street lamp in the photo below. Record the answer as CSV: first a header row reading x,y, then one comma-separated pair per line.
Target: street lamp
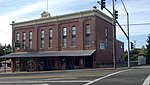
x,y
128,34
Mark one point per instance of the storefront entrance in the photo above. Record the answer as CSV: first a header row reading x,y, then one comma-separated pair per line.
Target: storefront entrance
x,y
73,62
24,64
46,64
67,63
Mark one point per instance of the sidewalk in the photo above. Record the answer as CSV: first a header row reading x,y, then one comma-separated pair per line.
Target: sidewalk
x,y
54,71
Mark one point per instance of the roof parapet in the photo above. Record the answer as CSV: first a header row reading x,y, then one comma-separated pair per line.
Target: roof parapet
x,y
46,18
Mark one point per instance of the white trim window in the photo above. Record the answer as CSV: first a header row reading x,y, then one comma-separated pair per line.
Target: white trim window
x,y
30,40
73,37
87,38
64,37
24,40
50,38
42,39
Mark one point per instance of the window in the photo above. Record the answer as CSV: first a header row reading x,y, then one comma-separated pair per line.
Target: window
x,y
24,36
42,39
30,35
73,43
64,38
17,41
121,46
30,40
24,40
64,31
87,39
17,37
106,35
50,38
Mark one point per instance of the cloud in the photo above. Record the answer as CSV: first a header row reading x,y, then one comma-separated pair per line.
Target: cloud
x,y
56,7
22,10
138,13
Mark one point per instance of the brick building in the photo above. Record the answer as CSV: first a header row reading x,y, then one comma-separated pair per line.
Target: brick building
x,y
71,41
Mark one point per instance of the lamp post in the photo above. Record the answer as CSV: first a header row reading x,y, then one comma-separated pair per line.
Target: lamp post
x,y
128,34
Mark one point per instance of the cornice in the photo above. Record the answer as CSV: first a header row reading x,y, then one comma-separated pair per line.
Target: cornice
x,y
81,14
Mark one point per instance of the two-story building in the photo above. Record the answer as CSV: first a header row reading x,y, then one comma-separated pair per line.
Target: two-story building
x,y
77,40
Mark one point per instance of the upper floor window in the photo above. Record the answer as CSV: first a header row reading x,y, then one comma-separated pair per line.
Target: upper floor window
x,y
73,43
30,40
42,39
30,35
42,34
17,37
106,35
64,38
64,31
17,43
24,40
50,38
24,36
87,32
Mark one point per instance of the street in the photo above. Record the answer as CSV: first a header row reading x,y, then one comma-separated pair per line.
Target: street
x,y
119,76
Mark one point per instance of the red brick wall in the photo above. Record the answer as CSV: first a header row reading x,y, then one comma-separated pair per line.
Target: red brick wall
x,y
57,35
120,51
103,55
26,30
97,35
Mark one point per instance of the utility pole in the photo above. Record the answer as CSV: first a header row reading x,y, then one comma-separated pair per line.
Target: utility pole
x,y
114,34
128,38
5,58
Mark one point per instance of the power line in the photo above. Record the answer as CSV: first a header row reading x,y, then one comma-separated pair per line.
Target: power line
x,y
137,24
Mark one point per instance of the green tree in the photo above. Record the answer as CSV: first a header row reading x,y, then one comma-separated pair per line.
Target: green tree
x,y
143,51
4,49
1,52
148,49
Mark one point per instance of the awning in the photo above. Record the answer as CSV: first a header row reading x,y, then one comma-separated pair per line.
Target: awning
x,y
50,53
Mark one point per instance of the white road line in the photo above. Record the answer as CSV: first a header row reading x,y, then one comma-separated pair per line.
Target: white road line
x,y
147,81
91,82
42,84
12,82
61,78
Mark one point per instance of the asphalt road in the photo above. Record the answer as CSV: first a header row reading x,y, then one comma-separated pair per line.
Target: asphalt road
x,y
121,76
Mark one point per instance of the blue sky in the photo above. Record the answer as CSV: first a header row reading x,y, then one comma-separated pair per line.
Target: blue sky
x,y
22,10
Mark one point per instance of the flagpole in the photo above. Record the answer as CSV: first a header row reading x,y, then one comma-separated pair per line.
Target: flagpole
x,y
47,5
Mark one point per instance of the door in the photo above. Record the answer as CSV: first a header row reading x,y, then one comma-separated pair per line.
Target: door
x,y
63,63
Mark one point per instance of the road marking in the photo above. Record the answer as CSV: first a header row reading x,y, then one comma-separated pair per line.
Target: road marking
x,y
147,81
91,82
61,78
22,82
42,84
